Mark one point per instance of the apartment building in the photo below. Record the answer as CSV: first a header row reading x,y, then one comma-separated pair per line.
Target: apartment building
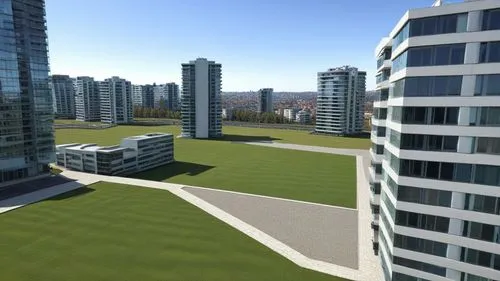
x,y
440,181
133,155
303,117
265,100
290,113
63,93
137,95
201,108
116,101
148,99
340,101
172,96
26,106
87,99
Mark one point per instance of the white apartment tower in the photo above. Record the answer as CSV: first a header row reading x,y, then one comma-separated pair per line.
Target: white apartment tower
x,y
63,93
201,108
340,101
87,101
137,95
440,181
265,100
116,101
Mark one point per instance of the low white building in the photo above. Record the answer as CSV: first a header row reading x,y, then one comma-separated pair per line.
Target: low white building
x,y
134,154
290,113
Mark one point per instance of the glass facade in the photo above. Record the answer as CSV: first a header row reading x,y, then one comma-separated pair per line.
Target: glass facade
x,y
428,86
450,54
26,108
431,26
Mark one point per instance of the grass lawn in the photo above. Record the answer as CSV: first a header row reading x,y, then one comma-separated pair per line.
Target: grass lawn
x,y
221,164
117,232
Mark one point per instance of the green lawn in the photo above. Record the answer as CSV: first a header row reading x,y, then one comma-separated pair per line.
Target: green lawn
x,y
222,164
117,232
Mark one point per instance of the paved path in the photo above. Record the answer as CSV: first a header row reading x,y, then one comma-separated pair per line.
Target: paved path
x,y
369,268
320,232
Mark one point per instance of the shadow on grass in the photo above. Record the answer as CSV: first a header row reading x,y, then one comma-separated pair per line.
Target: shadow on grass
x,y
71,194
171,170
243,138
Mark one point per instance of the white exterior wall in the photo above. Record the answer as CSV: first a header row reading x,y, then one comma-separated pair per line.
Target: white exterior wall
x,y
454,262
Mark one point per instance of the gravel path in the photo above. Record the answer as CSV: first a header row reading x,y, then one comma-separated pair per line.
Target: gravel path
x,y
319,232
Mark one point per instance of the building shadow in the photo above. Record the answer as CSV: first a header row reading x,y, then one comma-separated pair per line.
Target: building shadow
x,y
244,138
171,170
25,187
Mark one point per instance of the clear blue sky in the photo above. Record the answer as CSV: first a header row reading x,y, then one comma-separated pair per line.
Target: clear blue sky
x,y
261,43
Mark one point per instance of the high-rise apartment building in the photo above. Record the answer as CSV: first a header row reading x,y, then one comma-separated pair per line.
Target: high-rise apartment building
x,y
26,108
137,95
116,101
265,100
63,93
340,101
172,96
201,108
440,182
148,96
158,94
87,100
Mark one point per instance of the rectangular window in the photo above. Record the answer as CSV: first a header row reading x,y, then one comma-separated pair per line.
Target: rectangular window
x,y
491,19
487,85
488,145
488,175
489,52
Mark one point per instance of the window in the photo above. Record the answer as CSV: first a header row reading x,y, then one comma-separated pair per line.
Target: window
x,y
488,145
438,270
489,52
488,175
487,85
420,245
401,36
489,116
491,19
482,203
438,25
422,221
436,55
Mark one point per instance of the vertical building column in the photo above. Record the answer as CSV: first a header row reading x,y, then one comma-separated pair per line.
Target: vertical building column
x,y
474,20
455,228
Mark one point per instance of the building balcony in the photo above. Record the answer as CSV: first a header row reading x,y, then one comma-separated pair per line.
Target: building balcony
x,y
375,199
377,158
374,177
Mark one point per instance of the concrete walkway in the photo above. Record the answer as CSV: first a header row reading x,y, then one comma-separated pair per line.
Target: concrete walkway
x,y
368,267
320,232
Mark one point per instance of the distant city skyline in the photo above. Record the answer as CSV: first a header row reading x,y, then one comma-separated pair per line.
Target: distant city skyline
x,y
282,50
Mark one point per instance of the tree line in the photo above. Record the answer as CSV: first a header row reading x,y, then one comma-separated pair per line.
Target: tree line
x,y
147,112
255,117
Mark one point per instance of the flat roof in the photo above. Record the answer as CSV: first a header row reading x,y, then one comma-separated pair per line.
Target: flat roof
x,y
147,136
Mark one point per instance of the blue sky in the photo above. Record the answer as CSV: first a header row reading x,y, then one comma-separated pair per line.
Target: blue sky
x,y
280,44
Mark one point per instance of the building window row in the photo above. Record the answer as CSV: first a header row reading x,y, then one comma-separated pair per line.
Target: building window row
x,y
422,221
425,115
450,54
418,265
424,142
468,173
420,245
487,85
430,26
480,258
424,86
379,131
